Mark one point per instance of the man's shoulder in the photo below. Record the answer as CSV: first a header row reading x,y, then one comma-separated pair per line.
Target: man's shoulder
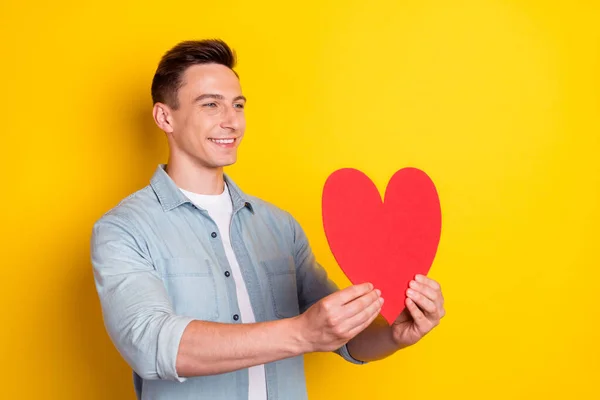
x,y
142,203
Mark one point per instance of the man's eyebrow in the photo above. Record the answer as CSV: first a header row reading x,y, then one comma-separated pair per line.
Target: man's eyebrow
x,y
209,96
216,97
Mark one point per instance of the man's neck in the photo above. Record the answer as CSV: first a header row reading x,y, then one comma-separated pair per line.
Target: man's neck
x,y
196,178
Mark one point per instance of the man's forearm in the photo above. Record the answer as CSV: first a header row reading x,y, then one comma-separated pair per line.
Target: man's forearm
x,y
374,343
209,348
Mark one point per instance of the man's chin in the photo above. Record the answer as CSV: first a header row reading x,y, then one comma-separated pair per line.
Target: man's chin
x,y
225,163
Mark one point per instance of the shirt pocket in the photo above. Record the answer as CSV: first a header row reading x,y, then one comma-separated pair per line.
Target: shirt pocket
x,y
283,289
191,286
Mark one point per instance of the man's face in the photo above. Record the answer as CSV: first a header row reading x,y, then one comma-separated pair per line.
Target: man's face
x,y
209,124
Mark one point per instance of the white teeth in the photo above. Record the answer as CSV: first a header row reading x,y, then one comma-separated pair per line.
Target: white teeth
x,y
223,141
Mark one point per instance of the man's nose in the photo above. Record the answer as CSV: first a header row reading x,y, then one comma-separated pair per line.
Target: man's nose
x,y
231,119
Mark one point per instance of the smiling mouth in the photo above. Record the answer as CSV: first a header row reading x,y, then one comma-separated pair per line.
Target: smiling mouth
x,y
222,141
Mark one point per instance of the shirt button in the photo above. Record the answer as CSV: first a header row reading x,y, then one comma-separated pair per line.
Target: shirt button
x,y
227,274
214,234
236,317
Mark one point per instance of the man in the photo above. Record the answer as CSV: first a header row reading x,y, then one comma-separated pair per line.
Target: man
x,y
210,293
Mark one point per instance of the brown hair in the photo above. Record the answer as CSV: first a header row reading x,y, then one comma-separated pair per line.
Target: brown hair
x,y
168,76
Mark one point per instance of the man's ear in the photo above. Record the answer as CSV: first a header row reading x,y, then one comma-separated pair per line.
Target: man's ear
x,y
163,117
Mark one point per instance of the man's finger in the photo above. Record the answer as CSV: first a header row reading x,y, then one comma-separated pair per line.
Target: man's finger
x,y
426,291
359,304
423,302
362,316
428,281
416,313
372,312
350,293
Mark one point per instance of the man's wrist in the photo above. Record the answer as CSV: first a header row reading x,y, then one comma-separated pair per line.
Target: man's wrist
x,y
299,343
397,340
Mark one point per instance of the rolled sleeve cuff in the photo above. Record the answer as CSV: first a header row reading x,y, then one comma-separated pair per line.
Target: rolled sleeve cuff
x,y
169,339
343,351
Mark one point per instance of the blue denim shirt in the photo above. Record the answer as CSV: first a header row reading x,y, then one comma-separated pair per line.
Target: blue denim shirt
x,y
159,264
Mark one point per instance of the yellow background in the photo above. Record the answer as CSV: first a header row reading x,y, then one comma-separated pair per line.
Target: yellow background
x,y
498,101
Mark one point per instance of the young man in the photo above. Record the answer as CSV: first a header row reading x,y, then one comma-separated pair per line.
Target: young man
x,y
210,293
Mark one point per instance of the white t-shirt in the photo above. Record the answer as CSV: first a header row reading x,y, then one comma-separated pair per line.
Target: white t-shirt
x,y
220,209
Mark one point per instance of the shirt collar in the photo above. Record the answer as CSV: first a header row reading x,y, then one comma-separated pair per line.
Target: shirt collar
x,y
170,197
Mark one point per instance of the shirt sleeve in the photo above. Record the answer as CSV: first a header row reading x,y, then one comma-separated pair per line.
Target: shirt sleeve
x,y
313,281
137,312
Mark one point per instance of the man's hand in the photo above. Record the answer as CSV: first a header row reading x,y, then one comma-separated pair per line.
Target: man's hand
x,y
423,312
331,322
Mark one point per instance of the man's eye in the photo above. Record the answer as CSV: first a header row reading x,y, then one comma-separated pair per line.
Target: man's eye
x,y
239,105
210,105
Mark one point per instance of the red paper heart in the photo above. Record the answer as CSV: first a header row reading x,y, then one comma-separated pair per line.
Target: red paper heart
x,y
385,243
